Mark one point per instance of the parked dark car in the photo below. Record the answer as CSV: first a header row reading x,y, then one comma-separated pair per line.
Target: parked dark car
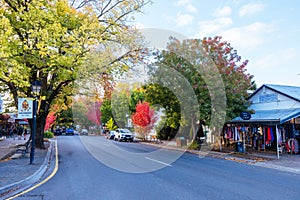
x,y
58,131
69,131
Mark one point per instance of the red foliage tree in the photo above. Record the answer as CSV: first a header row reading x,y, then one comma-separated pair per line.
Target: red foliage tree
x,y
94,114
144,118
50,120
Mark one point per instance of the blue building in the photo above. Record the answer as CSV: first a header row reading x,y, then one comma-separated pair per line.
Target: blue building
x,y
273,123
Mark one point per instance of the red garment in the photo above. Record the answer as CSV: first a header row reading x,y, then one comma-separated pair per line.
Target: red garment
x,y
268,135
287,146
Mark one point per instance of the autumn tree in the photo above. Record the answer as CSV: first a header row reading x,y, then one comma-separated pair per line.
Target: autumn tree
x,y
50,121
144,119
94,115
215,72
111,125
49,41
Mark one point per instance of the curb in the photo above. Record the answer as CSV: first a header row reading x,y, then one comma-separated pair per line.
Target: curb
x,y
17,186
277,167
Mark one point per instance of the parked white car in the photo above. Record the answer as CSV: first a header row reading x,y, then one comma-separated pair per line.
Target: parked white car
x,y
84,132
122,134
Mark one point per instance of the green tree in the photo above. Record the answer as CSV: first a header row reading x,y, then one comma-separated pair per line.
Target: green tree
x,y
156,94
137,95
205,63
106,112
65,118
50,40
120,107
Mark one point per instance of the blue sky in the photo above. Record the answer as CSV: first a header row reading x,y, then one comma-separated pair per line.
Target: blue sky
x,y
264,32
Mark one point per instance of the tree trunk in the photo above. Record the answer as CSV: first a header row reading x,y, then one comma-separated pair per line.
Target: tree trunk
x,y
194,128
39,138
41,117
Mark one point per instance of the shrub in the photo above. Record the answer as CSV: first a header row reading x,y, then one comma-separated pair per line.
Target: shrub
x,y
194,146
48,134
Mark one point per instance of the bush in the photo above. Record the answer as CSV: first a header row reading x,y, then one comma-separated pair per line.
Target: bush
x,y
48,134
194,146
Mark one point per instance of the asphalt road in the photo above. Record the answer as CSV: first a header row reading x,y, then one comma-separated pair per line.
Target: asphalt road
x,y
96,168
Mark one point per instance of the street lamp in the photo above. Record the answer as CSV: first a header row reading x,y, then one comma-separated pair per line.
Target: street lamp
x,y
36,88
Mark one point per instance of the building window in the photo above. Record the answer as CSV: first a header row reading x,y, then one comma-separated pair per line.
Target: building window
x,y
265,98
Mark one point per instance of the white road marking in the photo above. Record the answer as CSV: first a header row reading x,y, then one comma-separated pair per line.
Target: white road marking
x,y
158,161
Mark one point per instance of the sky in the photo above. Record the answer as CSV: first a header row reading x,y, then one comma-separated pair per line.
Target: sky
x,y
265,32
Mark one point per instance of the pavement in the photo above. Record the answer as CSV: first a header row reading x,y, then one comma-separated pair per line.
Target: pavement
x,y
17,174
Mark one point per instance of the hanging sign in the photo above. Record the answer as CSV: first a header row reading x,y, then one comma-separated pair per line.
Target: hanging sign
x,y
25,106
245,115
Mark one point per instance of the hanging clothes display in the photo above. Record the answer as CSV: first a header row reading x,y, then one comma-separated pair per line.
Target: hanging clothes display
x,y
292,146
269,136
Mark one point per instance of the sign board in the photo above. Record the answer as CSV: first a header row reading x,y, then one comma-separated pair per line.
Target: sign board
x,y
25,108
245,115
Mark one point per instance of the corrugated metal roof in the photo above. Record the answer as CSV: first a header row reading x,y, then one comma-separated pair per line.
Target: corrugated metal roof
x,y
278,116
292,91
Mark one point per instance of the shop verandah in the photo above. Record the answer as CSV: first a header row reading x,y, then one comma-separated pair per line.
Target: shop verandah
x,y
274,131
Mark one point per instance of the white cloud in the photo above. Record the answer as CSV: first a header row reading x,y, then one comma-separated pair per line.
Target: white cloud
x,y
184,19
213,26
277,59
249,36
251,9
187,5
222,12
190,8
182,2
276,67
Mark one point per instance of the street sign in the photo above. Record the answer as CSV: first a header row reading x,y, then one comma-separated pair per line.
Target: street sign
x,y
245,115
25,106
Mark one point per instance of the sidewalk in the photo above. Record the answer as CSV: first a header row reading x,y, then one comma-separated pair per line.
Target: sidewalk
x,y
17,173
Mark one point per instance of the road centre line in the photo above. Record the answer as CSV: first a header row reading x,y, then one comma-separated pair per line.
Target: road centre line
x,y
158,161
